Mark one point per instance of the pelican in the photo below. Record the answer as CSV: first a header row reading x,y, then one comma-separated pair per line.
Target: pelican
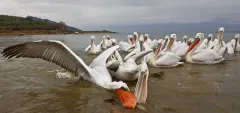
x,y
166,42
92,48
152,43
103,43
162,59
108,41
128,69
58,53
210,40
130,39
136,45
203,56
203,44
185,37
181,48
235,43
147,39
230,49
124,45
114,42
219,45
173,45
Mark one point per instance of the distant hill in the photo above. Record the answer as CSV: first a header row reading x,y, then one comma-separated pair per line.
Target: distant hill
x,y
14,23
69,28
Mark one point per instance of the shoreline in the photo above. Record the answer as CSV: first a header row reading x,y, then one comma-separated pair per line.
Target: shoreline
x,y
49,32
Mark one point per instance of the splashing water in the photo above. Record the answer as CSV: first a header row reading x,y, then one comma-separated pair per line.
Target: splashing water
x,y
62,74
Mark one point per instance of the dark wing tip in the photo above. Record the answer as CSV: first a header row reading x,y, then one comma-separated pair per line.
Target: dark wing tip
x,y
12,51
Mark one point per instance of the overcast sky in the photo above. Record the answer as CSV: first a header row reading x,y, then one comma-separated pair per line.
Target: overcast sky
x,y
89,13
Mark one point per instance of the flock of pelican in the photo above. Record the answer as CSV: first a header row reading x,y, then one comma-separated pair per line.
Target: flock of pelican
x,y
142,53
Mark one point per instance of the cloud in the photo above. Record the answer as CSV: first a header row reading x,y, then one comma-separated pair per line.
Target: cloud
x,y
97,13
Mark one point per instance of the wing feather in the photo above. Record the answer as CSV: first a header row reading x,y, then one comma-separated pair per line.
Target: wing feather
x,y
52,51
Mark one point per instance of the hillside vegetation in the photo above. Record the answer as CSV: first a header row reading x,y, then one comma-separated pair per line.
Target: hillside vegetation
x,y
13,25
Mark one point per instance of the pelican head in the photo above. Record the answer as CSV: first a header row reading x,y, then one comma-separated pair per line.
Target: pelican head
x,y
166,37
185,38
135,36
114,42
108,37
127,99
92,37
221,29
160,43
210,37
172,39
196,41
130,38
236,40
166,41
146,37
201,35
104,38
190,40
173,36
220,35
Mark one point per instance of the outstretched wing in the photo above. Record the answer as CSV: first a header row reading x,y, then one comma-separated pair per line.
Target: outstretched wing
x,y
52,51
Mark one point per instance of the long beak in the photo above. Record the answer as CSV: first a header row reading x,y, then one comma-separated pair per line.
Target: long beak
x,y
165,43
127,98
170,44
91,41
236,41
196,41
145,38
209,39
141,45
134,38
141,88
130,47
185,40
220,38
131,40
158,50
189,43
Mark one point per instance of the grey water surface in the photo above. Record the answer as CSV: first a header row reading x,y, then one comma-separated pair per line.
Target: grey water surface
x,y
32,85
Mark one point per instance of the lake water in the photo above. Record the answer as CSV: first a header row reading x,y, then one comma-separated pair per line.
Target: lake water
x,y
35,86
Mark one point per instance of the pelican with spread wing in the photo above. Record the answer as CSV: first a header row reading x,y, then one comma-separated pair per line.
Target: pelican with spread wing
x,y
58,53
